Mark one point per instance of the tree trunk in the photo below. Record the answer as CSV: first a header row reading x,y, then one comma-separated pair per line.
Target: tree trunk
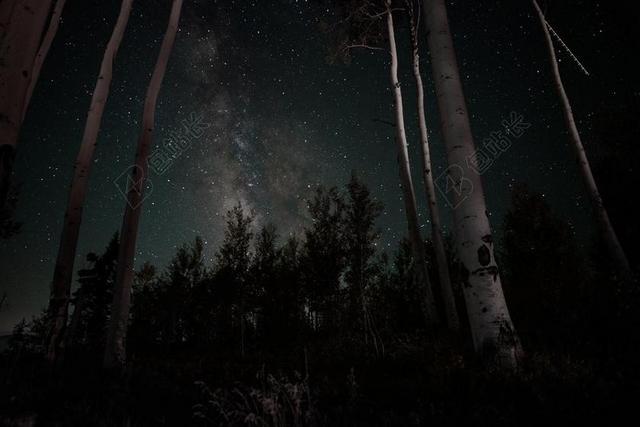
x,y
446,289
54,23
22,23
61,285
115,351
492,330
417,244
607,233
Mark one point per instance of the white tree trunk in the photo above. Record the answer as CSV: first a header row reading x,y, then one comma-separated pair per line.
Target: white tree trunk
x,y
491,327
446,289
61,285
417,244
607,232
22,23
54,23
115,351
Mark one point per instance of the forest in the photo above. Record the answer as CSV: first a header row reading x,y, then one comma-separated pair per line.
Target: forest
x,y
315,310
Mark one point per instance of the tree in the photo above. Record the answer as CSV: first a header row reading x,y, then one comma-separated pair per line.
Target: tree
x,y
22,23
232,273
491,327
366,23
184,274
115,354
8,224
61,285
361,237
276,296
86,332
545,278
52,30
427,175
323,257
411,210
608,234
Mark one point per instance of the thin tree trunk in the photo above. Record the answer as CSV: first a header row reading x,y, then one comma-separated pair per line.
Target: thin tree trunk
x,y
607,233
54,23
115,351
61,285
453,322
491,327
417,244
23,22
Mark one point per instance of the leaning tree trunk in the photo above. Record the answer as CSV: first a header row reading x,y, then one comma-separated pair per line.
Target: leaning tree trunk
x,y
22,23
491,326
417,244
61,285
115,350
54,23
607,233
453,322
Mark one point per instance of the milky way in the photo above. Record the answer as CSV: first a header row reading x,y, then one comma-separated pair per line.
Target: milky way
x,y
280,120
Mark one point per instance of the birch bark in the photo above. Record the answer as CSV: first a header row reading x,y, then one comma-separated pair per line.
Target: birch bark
x,y
491,327
61,285
115,350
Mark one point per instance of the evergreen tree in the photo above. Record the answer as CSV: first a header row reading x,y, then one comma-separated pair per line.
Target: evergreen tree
x,y
361,237
546,274
324,256
232,275
86,332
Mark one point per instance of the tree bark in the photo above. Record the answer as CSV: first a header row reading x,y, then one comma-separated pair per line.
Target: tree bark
x,y
54,23
492,330
22,23
417,244
61,285
115,351
451,314
607,233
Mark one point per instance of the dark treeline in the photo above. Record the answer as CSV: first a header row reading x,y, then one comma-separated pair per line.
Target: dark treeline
x,y
325,328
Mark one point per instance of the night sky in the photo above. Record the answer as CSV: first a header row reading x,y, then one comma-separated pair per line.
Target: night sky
x,y
283,119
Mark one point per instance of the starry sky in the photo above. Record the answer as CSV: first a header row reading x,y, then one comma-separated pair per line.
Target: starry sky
x,y
281,119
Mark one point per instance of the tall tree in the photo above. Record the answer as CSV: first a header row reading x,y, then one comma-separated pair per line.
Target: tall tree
x,y
233,265
86,331
323,256
43,51
411,210
607,233
364,24
22,23
115,350
361,236
427,176
61,285
491,325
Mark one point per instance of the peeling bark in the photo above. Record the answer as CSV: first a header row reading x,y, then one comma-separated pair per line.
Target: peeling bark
x,y
61,285
491,328
607,233
417,244
115,350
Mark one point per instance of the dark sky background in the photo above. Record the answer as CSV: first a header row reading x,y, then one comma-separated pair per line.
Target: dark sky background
x,y
284,119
